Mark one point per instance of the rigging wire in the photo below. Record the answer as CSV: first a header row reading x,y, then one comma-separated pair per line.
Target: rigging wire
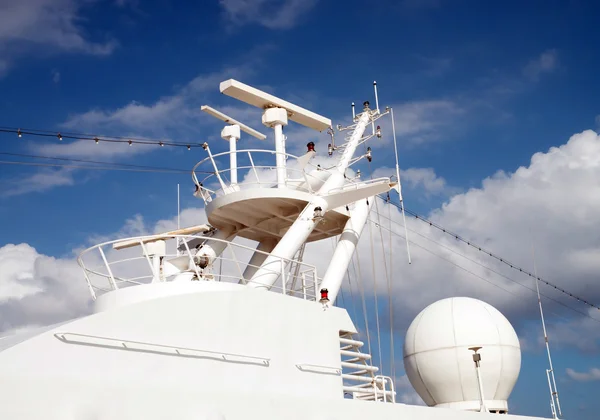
x,y
392,335
364,304
485,267
492,283
87,161
97,139
389,288
496,257
100,168
376,299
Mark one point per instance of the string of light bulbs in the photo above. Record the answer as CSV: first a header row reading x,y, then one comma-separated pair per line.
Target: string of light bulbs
x,y
19,132
95,162
491,254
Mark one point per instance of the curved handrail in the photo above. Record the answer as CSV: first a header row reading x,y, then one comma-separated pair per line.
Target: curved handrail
x,y
300,180
302,282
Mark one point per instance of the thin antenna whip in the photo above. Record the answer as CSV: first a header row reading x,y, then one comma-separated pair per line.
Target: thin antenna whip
x,y
376,97
399,185
178,218
554,402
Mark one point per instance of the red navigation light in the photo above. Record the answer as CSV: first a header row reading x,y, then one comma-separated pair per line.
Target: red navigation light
x,y
324,295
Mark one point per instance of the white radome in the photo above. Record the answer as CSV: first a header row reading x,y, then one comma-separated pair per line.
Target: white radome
x,y
440,365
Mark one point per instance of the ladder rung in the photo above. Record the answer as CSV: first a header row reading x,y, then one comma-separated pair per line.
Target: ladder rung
x,y
361,372
360,367
355,354
357,378
351,342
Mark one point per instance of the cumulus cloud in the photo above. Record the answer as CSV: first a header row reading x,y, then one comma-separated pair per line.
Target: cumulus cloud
x,y
272,14
52,24
554,197
592,375
425,121
176,116
425,179
41,181
546,62
37,289
179,111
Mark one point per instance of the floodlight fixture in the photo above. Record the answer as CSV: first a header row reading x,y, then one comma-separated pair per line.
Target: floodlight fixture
x,y
219,115
263,100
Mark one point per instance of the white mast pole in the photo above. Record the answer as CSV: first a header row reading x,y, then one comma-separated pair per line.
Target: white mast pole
x,y
231,133
334,276
477,360
233,159
376,97
554,402
399,185
298,233
178,219
276,118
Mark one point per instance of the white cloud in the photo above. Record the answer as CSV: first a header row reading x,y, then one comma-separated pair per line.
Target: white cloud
x,y
88,149
555,196
547,62
272,14
420,122
52,24
180,111
592,375
38,290
426,180
405,392
55,76
38,181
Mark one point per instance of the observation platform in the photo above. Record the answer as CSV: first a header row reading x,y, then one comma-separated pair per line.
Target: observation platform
x,y
154,260
257,208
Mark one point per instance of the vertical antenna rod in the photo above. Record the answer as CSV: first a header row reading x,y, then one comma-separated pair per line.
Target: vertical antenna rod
x,y
399,186
178,224
554,402
477,360
376,97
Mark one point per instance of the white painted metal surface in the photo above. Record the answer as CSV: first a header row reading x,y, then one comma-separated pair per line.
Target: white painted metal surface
x,y
265,100
344,250
179,332
438,361
232,121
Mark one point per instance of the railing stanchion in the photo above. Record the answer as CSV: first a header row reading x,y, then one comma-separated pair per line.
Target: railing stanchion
x,y
283,276
112,278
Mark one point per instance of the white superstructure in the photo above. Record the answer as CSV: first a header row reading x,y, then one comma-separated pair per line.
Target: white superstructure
x,y
438,350
198,324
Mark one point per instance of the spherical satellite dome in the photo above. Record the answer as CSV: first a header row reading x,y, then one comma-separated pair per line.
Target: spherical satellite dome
x,y
440,365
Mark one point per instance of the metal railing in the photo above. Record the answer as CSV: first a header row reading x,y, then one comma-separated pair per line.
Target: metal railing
x,y
106,269
253,173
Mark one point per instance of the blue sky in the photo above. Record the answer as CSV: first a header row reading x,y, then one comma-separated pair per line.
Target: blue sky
x,y
477,87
